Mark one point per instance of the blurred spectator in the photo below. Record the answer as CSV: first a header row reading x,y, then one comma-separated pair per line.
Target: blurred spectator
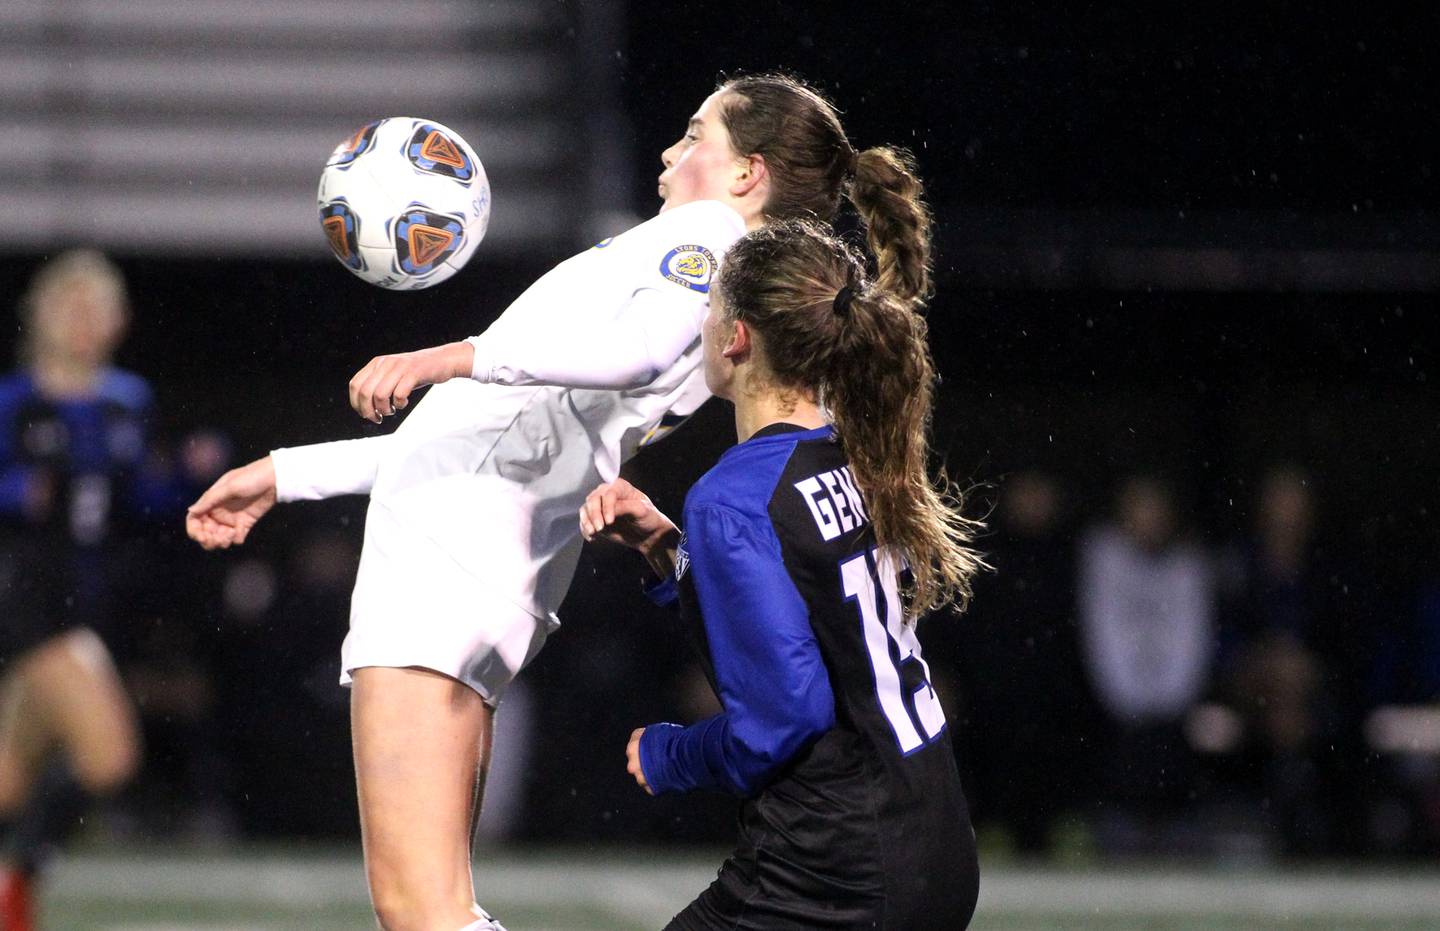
x,y
1147,621
1026,704
285,609
1273,668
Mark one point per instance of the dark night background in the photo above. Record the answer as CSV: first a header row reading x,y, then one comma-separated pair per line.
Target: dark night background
x,y
1198,243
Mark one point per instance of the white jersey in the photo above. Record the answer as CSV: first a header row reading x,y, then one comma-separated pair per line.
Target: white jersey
x,y
568,383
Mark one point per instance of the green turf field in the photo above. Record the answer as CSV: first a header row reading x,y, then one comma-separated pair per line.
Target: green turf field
x,y
613,889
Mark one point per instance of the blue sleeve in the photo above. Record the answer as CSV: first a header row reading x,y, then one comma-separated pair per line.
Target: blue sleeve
x,y
14,487
156,489
15,478
665,592
774,686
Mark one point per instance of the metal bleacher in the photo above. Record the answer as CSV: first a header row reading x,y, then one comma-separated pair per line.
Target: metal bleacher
x,y
200,126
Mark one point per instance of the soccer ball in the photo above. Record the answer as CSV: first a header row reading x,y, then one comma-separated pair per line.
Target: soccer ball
x,y
404,202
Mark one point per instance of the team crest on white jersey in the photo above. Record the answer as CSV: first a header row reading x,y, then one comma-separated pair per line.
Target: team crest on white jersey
x,y
682,558
691,266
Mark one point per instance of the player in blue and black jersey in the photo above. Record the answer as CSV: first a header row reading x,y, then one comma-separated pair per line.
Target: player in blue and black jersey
x,y
792,576
73,477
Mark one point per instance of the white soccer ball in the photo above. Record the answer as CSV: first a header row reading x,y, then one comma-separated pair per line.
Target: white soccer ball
x,y
404,202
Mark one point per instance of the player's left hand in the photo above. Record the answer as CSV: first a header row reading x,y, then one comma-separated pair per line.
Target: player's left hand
x,y
632,760
383,386
621,512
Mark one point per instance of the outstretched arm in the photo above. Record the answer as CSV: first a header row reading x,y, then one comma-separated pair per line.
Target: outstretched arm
x,y
224,515
630,351
325,470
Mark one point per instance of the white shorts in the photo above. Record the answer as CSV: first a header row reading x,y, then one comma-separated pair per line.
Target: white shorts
x,y
414,605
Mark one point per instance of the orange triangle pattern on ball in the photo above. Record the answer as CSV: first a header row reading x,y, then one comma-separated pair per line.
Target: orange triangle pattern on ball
x,y
438,148
335,232
427,243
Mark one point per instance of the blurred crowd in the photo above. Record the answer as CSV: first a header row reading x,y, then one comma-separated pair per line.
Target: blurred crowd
x,y
1125,684
1120,686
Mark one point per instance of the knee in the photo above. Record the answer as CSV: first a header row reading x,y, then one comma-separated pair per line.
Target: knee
x,y
13,789
105,770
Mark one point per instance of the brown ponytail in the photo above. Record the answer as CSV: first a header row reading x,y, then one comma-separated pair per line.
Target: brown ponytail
x,y
867,361
887,194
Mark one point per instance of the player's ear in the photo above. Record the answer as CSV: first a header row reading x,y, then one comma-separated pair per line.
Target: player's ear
x,y
738,346
752,174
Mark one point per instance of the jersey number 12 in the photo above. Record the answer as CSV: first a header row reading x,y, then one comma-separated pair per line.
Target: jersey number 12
x,y
893,647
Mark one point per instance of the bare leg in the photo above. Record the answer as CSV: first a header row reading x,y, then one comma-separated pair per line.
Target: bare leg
x,y
66,694
420,742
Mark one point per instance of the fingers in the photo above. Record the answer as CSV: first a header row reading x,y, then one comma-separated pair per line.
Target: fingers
x,y
213,497
195,529
385,384
616,510
601,508
607,505
359,395
208,521
400,394
592,513
371,388
210,533
632,759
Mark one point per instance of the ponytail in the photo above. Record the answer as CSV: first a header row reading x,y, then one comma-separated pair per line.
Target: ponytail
x,y
864,353
886,193
812,165
879,391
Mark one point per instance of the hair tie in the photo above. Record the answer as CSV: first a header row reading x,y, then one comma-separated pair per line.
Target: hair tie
x,y
843,297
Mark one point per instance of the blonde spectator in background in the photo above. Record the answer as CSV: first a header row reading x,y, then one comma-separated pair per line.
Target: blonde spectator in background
x,y
73,452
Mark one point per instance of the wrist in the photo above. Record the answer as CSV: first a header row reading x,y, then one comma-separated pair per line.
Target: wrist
x,y
659,549
460,359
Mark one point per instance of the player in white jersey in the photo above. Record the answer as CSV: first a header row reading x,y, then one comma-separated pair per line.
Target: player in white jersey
x,y
471,539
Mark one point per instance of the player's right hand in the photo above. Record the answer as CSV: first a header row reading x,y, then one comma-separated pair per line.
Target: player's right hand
x,y
621,512
224,514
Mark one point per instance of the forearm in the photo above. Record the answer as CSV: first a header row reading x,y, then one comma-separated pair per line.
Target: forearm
x,y
659,551
325,470
731,752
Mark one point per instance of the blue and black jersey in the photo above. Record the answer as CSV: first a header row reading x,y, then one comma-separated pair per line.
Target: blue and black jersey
x,y
854,815
72,475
